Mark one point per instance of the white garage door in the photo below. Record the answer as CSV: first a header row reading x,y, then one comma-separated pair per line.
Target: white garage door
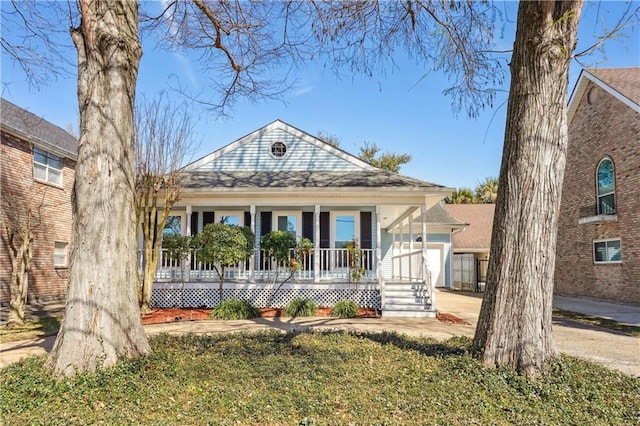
x,y
435,257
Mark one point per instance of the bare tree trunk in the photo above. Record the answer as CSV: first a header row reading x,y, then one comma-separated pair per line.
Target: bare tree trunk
x,y
151,251
20,263
102,320
514,328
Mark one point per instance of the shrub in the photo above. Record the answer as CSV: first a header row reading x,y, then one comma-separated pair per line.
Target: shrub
x,y
345,309
301,308
234,309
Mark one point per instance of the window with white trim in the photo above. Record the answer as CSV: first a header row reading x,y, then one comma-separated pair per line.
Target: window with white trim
x,y
60,258
230,217
173,225
607,251
345,228
290,221
47,167
345,231
606,191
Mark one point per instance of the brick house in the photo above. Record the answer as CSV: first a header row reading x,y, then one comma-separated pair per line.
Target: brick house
x,y
598,251
37,168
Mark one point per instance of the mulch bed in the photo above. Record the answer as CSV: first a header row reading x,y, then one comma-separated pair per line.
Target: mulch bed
x,y
451,319
164,315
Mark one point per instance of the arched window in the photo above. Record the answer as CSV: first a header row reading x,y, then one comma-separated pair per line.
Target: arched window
x,y
606,187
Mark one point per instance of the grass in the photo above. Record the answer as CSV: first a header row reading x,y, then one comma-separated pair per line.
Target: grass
x,y
48,326
599,322
32,329
316,378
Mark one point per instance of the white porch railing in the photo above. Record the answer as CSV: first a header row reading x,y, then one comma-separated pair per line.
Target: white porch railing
x,y
410,265
333,265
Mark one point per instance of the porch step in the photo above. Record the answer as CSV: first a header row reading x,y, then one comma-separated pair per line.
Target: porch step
x,y
404,299
403,313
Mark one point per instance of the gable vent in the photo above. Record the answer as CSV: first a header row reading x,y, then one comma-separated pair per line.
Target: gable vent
x,y
278,149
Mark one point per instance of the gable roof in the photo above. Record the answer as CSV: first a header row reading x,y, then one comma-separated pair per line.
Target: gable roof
x,y
438,215
477,235
28,126
310,164
240,181
622,83
277,130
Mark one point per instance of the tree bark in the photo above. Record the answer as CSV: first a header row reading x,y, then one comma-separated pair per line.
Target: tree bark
x,y
102,320
21,256
514,327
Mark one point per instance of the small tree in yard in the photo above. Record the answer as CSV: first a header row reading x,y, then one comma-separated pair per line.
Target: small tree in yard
x,y
223,245
22,214
355,255
162,142
288,253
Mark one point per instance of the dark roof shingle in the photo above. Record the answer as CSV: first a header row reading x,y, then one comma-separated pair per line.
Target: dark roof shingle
x,y
625,81
480,219
36,129
302,179
439,216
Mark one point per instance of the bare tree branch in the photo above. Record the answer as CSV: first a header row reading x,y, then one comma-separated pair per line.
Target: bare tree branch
x,y
163,141
35,38
238,45
630,18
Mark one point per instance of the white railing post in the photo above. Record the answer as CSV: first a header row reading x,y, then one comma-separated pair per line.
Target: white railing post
x,y
316,245
252,265
426,271
379,273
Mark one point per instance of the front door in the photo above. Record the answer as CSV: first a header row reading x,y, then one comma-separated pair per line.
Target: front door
x,y
345,227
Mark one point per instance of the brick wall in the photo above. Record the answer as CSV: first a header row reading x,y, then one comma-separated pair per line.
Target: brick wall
x,y
604,128
46,282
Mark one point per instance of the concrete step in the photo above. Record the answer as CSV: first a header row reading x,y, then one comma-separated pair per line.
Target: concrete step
x,y
403,286
401,293
410,299
405,306
408,314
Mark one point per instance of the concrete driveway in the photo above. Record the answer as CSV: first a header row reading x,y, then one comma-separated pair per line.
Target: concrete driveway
x,y
613,349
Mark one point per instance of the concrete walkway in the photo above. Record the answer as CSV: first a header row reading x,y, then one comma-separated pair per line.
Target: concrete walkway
x,y
613,349
624,314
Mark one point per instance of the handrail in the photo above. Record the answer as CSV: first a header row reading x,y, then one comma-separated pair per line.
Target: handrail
x,y
333,264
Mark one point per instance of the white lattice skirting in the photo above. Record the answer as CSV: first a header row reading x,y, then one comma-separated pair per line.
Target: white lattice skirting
x,y
194,295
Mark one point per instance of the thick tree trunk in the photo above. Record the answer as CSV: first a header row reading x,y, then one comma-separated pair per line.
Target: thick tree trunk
x,y
102,320
514,328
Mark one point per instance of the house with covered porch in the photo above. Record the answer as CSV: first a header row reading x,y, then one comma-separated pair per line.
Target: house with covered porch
x,y
282,178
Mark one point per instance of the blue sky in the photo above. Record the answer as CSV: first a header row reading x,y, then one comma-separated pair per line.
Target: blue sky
x,y
403,111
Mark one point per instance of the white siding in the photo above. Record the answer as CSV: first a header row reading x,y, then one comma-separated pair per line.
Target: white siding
x,y
256,156
387,242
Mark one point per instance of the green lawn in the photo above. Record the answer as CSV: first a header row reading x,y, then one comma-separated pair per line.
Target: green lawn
x,y
31,329
316,378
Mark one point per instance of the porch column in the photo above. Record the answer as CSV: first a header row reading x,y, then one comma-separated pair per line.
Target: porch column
x,y
316,244
188,224
379,273
188,233
425,261
252,266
